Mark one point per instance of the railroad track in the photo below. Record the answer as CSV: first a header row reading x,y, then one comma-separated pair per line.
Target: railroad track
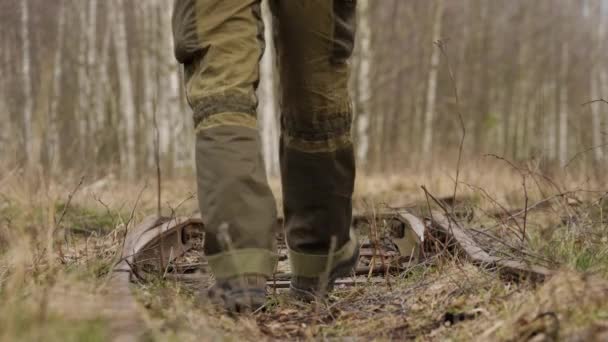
x,y
159,246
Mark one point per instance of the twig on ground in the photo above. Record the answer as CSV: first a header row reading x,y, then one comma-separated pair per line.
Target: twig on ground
x,y
527,170
444,247
106,207
497,204
534,206
523,233
179,205
69,201
168,263
513,248
66,207
131,216
162,244
585,151
437,201
374,238
447,213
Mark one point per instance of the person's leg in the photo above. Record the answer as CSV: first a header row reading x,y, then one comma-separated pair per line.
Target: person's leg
x,y
219,43
315,40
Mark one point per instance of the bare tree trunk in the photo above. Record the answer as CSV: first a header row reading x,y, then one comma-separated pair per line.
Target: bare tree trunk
x,y
596,85
92,84
174,140
127,105
550,122
100,99
563,105
83,84
27,84
363,83
4,108
53,149
5,117
175,119
431,97
596,120
268,105
102,68
149,82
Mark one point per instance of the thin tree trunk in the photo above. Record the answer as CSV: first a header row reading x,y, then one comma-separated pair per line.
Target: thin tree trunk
x,y
431,97
596,86
92,84
102,76
363,83
27,84
268,107
483,76
149,83
8,143
4,108
563,105
127,104
83,84
550,122
172,125
53,149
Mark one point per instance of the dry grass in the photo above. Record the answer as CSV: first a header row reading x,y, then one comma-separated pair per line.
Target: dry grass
x,y
55,257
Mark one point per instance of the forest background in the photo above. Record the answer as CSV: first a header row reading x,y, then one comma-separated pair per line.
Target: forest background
x,y
88,86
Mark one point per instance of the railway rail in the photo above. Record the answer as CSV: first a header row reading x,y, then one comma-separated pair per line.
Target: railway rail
x,y
156,245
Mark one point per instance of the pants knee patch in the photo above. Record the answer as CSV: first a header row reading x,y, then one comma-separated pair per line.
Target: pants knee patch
x,y
318,128
225,103
323,133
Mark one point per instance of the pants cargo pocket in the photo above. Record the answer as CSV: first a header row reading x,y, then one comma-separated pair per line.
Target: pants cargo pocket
x,y
345,22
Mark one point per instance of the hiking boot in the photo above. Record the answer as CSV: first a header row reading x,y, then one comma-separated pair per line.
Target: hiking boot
x,y
310,288
241,294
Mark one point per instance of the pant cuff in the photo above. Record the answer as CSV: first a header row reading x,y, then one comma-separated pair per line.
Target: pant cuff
x,y
243,261
314,265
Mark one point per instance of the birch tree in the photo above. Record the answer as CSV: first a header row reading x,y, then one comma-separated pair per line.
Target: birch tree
x,y
83,83
363,86
127,104
172,122
268,104
431,95
27,85
4,106
92,86
596,83
53,149
148,9
563,105
522,69
102,76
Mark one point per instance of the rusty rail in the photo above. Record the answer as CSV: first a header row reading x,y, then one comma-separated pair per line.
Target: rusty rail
x,y
157,242
154,240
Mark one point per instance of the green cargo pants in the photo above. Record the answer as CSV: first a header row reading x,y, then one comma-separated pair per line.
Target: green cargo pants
x,y
220,43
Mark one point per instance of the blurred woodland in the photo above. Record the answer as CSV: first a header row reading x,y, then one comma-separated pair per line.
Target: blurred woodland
x,y
92,86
